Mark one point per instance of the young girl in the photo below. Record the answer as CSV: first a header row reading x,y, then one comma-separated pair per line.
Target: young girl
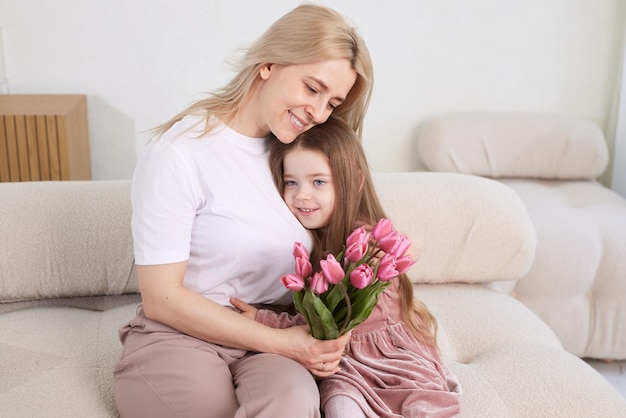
x,y
392,367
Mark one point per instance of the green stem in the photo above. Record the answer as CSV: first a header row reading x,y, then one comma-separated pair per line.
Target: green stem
x,y
348,309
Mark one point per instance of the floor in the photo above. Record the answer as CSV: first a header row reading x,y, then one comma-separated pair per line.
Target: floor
x,y
614,372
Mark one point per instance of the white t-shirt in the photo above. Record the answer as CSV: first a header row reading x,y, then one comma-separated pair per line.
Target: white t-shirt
x,y
212,201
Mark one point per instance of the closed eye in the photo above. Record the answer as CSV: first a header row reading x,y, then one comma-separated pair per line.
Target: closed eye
x,y
315,91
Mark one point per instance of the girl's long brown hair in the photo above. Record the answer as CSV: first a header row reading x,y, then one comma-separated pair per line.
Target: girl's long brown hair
x,y
359,204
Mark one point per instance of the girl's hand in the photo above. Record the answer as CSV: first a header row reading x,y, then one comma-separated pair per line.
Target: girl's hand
x,y
246,310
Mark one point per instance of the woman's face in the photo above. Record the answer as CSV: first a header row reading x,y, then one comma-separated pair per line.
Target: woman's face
x,y
293,98
309,191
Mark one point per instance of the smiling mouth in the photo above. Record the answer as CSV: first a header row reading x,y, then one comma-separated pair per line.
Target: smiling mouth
x,y
306,211
296,121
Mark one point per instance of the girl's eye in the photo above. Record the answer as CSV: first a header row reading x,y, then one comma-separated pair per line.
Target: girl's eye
x,y
319,182
331,106
289,183
311,88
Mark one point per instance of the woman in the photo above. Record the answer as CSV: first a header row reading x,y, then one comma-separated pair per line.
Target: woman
x,y
208,224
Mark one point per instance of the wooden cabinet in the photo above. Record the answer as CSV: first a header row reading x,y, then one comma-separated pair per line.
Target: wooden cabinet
x,y
44,137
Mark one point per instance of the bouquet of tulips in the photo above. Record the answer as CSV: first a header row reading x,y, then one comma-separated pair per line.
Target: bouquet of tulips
x,y
345,291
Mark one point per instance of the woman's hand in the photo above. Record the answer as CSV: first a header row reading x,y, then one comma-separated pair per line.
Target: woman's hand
x,y
320,357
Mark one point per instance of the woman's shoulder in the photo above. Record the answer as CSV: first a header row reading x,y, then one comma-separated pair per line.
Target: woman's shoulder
x,y
188,127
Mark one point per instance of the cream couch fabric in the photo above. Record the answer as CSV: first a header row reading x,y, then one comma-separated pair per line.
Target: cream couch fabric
x,y
67,284
577,282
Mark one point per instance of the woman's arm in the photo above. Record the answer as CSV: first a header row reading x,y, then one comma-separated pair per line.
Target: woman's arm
x,y
166,300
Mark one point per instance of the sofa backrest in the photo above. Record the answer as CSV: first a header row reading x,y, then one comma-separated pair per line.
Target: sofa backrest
x,y
65,239
73,238
468,229
514,145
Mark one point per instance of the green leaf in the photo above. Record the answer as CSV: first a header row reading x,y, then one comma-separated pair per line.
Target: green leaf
x,y
333,297
297,302
368,299
330,327
315,323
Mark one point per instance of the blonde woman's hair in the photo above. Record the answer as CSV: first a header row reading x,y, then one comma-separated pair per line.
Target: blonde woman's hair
x,y
307,34
358,204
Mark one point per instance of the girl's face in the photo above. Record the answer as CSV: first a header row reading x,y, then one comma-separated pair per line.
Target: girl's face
x,y
309,191
293,98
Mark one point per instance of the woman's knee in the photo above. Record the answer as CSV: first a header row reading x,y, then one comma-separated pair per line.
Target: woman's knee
x,y
167,379
158,392
269,382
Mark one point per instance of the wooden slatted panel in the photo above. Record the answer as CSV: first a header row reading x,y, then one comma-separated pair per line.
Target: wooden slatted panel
x,y
4,153
41,133
12,153
44,137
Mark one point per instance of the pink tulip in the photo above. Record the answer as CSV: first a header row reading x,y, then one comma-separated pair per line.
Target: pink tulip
x,y
403,246
404,263
388,241
318,283
356,244
300,250
332,269
303,267
387,269
382,228
394,243
292,282
361,276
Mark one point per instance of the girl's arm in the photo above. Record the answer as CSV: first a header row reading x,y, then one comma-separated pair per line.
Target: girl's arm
x,y
267,316
166,300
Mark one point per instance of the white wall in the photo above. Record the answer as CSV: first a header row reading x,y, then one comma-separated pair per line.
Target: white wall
x,y
141,61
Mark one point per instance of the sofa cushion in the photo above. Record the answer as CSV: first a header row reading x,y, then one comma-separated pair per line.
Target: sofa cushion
x,y
520,145
62,239
577,283
468,228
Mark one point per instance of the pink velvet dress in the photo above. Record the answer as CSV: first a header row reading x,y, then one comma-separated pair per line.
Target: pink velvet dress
x,y
385,369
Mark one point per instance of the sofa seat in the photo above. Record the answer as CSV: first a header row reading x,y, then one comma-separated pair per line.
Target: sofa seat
x,y
510,365
56,361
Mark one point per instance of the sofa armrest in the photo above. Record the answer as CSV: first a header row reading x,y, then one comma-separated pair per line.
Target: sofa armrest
x,y
469,229
65,239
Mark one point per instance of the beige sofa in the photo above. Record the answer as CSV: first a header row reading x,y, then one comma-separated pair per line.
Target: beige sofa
x,y
577,281
67,283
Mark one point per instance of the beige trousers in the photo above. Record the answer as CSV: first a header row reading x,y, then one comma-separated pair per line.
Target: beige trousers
x,y
165,373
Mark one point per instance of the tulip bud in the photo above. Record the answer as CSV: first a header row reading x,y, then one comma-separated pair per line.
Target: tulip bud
x,y
292,282
382,228
332,269
303,267
356,244
361,276
404,263
300,251
319,284
387,269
